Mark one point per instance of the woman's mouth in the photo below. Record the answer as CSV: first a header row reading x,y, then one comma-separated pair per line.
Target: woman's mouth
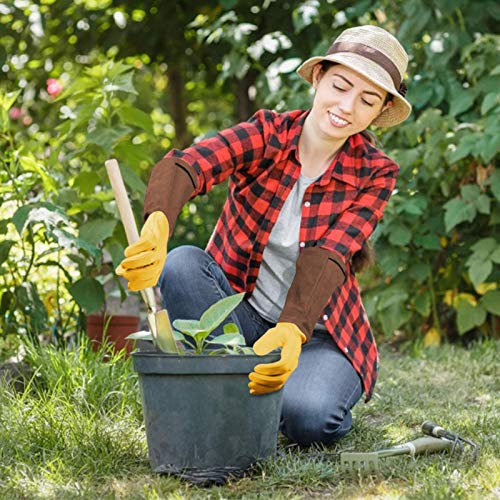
x,y
336,121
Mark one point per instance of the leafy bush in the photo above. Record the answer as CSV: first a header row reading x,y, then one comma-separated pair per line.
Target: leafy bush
x,y
89,91
57,197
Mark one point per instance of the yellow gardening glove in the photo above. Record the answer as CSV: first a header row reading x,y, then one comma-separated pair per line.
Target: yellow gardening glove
x,y
145,258
269,377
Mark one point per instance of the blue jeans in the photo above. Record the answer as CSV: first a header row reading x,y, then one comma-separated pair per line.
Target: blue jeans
x,y
318,396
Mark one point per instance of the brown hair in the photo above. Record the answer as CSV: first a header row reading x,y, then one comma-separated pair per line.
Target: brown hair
x,y
363,258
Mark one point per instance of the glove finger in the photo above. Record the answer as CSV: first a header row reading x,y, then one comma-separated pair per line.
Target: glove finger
x,y
139,275
266,380
279,366
141,245
119,270
260,389
141,260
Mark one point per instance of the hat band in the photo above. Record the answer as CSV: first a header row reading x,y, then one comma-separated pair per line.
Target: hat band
x,y
370,53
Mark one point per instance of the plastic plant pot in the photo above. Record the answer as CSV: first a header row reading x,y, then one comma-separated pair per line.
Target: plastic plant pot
x,y
199,414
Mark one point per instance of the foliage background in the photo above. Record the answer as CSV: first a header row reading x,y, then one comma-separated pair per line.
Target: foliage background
x,y
138,78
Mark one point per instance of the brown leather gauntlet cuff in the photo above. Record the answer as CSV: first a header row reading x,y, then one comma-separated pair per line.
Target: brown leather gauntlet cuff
x,y
318,273
171,184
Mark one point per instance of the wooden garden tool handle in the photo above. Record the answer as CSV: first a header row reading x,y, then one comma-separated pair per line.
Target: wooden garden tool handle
x,y
127,217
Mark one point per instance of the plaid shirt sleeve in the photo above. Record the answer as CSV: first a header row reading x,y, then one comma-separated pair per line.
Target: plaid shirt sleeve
x,y
355,225
217,157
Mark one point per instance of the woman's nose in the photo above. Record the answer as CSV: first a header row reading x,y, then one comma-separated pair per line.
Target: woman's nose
x,y
346,105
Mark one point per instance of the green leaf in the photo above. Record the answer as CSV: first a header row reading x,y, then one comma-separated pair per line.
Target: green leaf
x,y
469,316
483,204
479,271
134,116
188,326
494,182
491,301
97,230
231,328
228,4
419,271
6,301
30,303
428,241
488,147
218,312
142,335
135,155
391,260
415,205
465,147
106,138
393,317
85,182
30,164
46,213
399,235
470,192
457,211
88,294
5,247
461,100
484,247
395,294
421,94
490,101
8,99
121,83
423,303
228,339
495,256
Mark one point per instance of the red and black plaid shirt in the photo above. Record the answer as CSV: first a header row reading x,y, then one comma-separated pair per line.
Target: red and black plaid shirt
x,y
339,213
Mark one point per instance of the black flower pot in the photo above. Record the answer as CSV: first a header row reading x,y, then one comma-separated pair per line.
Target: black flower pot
x,y
199,414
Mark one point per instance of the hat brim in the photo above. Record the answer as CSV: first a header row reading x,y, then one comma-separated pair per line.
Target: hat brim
x,y
394,115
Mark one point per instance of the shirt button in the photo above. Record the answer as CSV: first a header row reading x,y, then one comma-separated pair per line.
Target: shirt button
x,y
325,317
302,244
307,204
346,349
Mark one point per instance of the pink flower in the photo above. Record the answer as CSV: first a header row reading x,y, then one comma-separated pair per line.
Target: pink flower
x,y
15,113
54,87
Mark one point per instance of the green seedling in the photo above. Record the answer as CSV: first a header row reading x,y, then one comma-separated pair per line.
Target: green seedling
x,y
195,332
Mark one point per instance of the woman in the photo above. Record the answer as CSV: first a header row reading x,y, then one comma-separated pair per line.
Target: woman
x,y
306,190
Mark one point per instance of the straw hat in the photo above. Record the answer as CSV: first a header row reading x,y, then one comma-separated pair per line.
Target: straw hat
x,y
377,55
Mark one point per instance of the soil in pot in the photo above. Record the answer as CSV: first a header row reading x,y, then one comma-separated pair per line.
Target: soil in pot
x,y
114,332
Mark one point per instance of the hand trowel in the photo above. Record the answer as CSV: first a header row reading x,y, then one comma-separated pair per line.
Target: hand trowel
x,y
158,320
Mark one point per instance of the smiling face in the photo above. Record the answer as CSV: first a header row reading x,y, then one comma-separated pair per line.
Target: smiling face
x,y
345,102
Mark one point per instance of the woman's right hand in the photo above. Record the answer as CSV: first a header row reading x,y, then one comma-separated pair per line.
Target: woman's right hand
x,y
145,258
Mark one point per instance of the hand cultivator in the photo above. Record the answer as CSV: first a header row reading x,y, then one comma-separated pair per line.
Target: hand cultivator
x,y
437,439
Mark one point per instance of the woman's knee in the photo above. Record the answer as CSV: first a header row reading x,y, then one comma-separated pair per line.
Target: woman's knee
x,y
307,421
179,261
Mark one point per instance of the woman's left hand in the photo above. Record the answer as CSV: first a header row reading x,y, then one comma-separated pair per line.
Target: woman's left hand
x,y
270,377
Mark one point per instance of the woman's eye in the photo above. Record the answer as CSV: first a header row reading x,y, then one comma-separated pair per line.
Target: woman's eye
x,y
339,88
368,103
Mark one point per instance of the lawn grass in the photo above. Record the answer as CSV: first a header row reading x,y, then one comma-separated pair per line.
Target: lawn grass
x,y
77,432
